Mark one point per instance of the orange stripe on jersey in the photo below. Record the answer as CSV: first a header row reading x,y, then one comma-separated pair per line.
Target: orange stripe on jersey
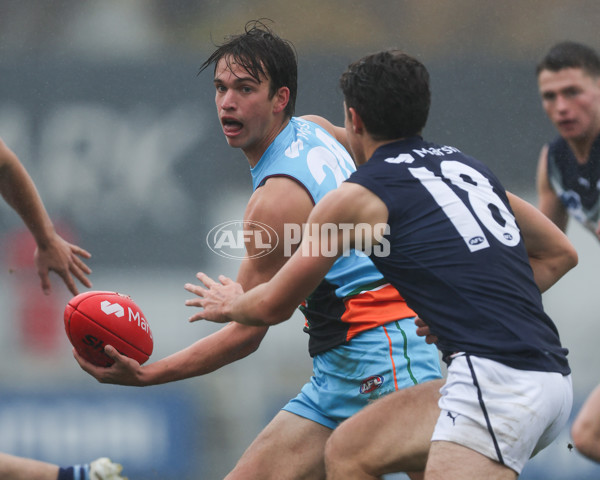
x,y
373,308
392,358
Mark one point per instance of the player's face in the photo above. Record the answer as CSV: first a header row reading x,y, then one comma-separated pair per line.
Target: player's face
x,y
571,99
249,118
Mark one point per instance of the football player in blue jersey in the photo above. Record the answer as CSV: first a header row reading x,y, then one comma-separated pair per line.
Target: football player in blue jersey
x,y
470,259
354,313
568,177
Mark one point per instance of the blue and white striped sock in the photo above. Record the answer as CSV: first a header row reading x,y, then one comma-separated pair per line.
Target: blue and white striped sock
x,y
76,472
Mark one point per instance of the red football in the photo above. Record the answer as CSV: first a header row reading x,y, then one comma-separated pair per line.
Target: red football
x,y
96,319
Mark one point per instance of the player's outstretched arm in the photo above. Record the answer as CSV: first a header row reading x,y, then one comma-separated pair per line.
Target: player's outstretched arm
x,y
551,254
53,252
280,200
273,302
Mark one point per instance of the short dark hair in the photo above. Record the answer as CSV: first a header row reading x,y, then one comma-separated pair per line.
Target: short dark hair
x,y
570,55
262,53
390,91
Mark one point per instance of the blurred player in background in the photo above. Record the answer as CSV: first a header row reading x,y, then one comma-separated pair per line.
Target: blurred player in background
x,y
53,253
458,256
362,335
568,177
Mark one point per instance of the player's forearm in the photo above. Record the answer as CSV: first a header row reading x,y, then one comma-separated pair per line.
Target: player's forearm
x,y
260,307
231,343
547,272
551,255
19,191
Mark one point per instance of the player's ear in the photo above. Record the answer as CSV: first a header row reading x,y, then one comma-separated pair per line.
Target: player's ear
x,y
281,99
356,121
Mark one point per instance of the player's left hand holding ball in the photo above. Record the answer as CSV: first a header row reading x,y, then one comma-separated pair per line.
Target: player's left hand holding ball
x,y
215,298
124,370
110,335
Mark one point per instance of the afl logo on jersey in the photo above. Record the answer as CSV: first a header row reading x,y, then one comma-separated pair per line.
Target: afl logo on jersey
x,y
371,384
478,240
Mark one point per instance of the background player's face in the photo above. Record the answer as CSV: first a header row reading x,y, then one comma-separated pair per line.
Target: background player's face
x,y
571,99
249,118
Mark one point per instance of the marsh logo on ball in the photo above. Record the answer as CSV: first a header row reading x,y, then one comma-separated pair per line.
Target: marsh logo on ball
x,y
231,239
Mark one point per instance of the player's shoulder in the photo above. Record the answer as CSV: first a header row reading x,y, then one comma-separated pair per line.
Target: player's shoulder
x,y
350,203
280,197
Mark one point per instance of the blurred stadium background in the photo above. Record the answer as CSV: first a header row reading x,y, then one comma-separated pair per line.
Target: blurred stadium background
x,y
101,101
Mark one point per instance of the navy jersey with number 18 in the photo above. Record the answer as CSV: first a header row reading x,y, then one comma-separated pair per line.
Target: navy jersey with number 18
x,y
457,255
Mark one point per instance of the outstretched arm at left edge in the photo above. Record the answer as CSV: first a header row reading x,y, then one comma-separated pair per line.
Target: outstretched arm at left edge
x,y
53,252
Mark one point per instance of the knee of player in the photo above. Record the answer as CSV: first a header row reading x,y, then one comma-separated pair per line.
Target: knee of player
x,y
339,450
583,436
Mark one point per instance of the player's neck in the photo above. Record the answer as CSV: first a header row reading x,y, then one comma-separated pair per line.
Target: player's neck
x,y
255,152
372,145
581,148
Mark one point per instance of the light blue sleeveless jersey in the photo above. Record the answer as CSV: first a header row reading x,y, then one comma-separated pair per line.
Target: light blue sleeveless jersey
x,y
307,153
354,296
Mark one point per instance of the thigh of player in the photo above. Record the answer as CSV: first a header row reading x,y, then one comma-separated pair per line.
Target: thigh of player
x,y
505,414
289,447
391,435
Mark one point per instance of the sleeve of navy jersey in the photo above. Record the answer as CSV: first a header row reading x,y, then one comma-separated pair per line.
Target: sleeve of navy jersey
x,y
457,255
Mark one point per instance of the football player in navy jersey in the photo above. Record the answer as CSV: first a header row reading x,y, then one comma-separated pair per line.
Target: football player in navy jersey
x,y
470,259
568,178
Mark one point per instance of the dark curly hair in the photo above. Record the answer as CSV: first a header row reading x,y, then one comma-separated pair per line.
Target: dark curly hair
x,y
390,91
262,54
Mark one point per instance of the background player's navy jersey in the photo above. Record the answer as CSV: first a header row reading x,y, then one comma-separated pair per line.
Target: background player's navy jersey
x,y
457,255
577,185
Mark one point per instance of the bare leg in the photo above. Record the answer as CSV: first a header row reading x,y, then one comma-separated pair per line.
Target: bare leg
x,y
391,435
18,468
586,427
290,447
450,461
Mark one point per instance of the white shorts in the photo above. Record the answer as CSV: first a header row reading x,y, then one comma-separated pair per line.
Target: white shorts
x,y
506,414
